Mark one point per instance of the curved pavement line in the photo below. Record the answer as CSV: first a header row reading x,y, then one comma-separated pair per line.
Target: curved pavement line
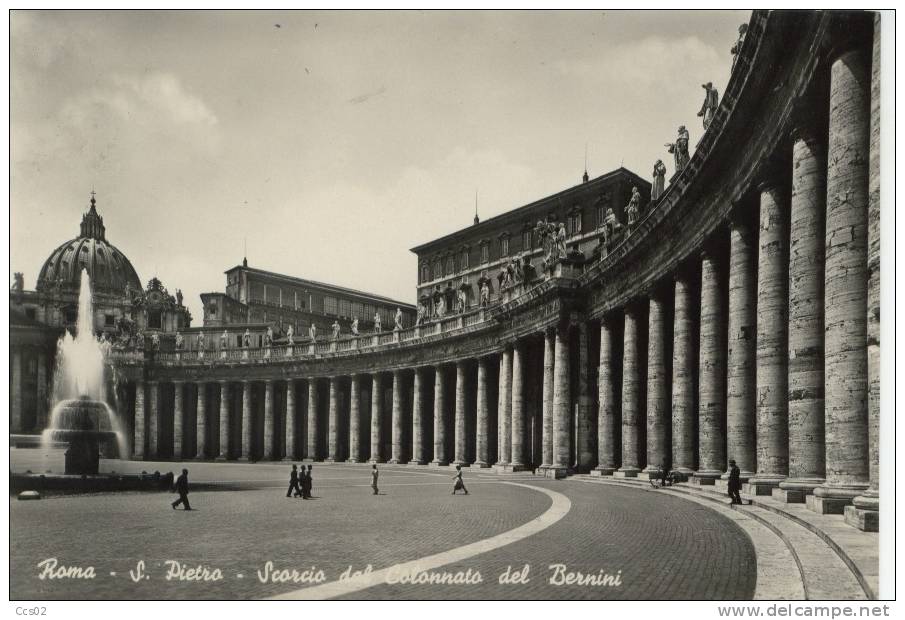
x,y
558,509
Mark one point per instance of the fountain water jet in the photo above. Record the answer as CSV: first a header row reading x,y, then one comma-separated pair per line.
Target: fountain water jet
x,y
80,416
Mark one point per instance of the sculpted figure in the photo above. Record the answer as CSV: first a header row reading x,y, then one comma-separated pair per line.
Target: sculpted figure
x,y
711,103
461,299
485,294
246,339
224,340
634,204
355,326
659,183
737,47
268,337
201,341
336,329
178,297
679,148
290,333
441,306
179,341
397,320
561,241
155,341
377,325
422,314
312,332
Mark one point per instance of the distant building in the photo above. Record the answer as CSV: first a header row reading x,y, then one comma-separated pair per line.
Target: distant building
x,y
256,298
462,258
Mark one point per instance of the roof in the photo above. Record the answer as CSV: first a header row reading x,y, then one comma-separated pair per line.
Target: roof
x,y
521,211
321,285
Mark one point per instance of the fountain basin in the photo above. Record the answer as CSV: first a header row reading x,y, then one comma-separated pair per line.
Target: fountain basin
x,y
85,425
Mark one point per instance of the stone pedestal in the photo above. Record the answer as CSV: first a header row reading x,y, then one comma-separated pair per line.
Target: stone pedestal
x,y
827,505
626,472
554,473
602,471
762,489
789,496
864,520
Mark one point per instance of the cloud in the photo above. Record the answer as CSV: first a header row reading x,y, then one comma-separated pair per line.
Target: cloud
x,y
653,62
149,99
366,96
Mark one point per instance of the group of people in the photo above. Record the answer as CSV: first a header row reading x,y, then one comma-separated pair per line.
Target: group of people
x,y
300,482
733,487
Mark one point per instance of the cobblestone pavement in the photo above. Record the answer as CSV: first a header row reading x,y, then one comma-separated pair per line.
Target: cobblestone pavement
x,y
663,546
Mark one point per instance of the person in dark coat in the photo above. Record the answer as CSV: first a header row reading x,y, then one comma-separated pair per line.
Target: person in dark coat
x,y
294,482
303,482
182,487
308,484
459,483
374,475
735,483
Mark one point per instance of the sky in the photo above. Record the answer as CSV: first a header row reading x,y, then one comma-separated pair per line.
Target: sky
x,y
329,143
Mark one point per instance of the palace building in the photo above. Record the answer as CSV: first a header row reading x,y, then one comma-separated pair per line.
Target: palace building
x,y
736,316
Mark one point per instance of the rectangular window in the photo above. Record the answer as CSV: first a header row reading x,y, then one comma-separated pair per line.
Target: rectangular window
x,y
330,305
450,265
345,307
526,239
464,259
485,253
504,246
357,309
108,320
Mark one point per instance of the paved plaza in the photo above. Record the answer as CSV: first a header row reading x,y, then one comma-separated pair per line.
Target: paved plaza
x,y
650,544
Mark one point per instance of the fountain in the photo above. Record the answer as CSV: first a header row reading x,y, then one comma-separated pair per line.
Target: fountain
x,y
80,416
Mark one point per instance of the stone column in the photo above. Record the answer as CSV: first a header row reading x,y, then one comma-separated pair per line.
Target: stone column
x,y
562,402
177,419
683,377
585,432
547,396
201,423
247,427
807,465
607,408
42,404
741,358
418,415
631,397
657,388
397,417
865,513
504,410
459,442
712,380
290,443
223,448
333,421
138,445
154,419
355,420
312,454
268,420
376,415
845,284
772,341
483,417
16,393
440,457
518,425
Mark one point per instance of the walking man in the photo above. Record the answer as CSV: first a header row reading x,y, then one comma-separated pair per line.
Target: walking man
x,y
374,474
182,487
735,483
459,484
294,482
308,484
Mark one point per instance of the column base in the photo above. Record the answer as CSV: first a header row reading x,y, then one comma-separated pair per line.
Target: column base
x,y
796,490
790,496
626,472
762,485
602,471
201,457
705,477
870,500
827,505
241,459
500,468
288,459
461,463
555,472
332,460
220,459
864,520
481,464
515,467
416,463
439,463
394,462
376,461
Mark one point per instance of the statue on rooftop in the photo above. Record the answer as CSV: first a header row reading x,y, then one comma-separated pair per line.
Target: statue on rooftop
x,y
246,339
633,208
377,325
336,329
178,297
312,333
355,326
201,341
737,47
268,337
679,148
560,245
290,333
441,306
485,293
224,340
422,313
397,320
659,183
179,341
461,300
711,103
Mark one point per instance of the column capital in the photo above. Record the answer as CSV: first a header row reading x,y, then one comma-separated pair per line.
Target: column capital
x,y
848,31
773,173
